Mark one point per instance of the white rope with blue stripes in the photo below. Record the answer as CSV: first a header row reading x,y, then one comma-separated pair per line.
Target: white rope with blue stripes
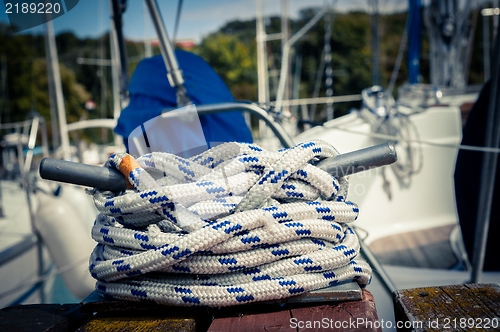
x,y
233,225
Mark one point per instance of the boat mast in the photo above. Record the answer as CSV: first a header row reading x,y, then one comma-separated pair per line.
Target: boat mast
x,y
148,47
414,43
286,51
495,20
52,100
327,50
118,102
486,47
375,64
448,41
117,8
285,35
262,66
55,75
261,56
485,13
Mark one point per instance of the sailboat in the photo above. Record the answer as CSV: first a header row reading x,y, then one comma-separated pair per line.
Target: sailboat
x,y
22,260
41,242
41,225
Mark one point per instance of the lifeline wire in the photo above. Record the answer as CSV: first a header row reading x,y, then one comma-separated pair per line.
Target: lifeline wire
x,y
233,225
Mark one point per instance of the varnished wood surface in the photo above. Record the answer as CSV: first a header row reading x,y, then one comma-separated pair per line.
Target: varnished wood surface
x,y
429,248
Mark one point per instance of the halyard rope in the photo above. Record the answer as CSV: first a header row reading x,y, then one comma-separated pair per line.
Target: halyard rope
x,y
233,225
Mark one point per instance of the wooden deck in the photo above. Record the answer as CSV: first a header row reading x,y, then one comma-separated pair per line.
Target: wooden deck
x,y
429,248
123,316
470,307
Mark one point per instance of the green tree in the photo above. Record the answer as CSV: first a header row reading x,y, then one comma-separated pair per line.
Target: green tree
x,y
27,84
17,54
234,61
74,93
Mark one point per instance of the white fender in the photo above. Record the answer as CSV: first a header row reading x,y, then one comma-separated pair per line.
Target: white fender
x,y
68,240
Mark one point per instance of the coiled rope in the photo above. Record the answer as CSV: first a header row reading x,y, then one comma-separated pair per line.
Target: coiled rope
x,y
233,225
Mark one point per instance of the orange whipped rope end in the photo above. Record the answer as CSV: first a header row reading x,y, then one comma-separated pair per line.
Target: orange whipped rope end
x,y
127,165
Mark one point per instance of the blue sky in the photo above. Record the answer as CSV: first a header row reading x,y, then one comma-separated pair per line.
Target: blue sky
x,y
90,18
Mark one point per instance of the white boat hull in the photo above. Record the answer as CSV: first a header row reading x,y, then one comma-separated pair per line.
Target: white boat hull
x,y
428,201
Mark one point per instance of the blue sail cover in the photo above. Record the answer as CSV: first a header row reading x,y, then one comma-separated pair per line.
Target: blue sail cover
x,y
151,93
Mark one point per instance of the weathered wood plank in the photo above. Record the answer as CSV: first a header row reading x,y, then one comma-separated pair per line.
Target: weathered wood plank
x,y
337,316
436,247
42,317
345,316
346,291
414,244
275,321
127,323
449,308
428,248
116,315
124,316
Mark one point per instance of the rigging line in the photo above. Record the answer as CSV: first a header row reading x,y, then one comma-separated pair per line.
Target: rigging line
x,y
399,138
177,20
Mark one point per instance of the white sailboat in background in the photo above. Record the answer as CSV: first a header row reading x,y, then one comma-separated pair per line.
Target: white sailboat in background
x,y
410,206
22,259
42,226
400,194
45,228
